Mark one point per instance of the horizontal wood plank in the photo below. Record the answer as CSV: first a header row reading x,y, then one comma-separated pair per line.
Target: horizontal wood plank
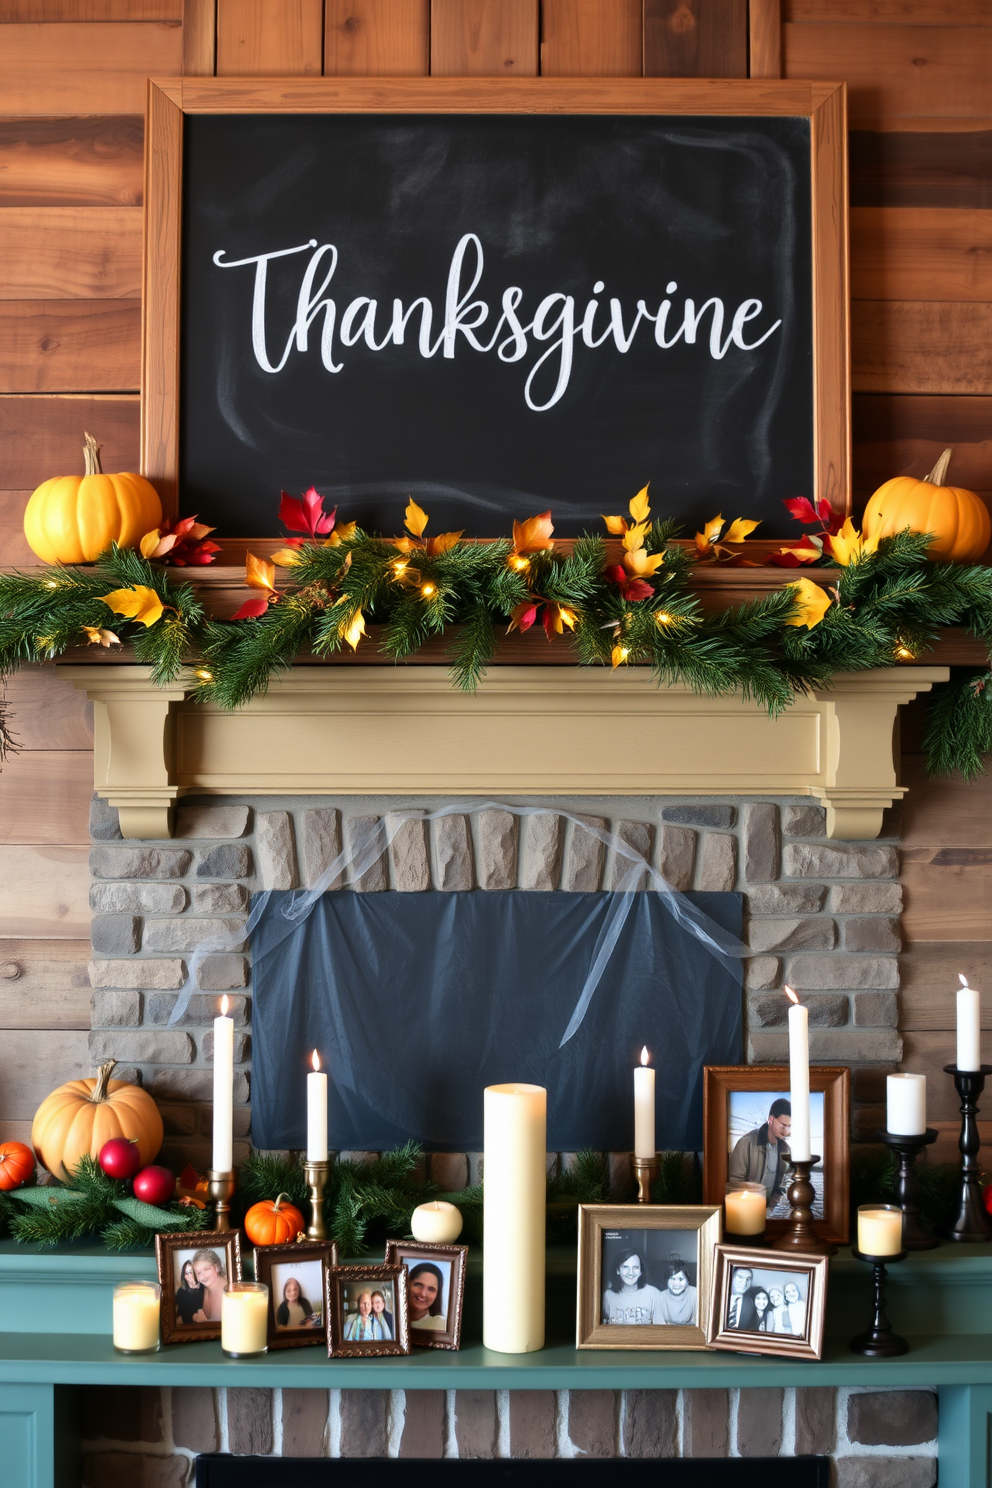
x,y
377,38
44,983
484,38
45,797
908,168
904,435
926,1054
44,893
945,813
31,1067
948,893
55,70
591,38
47,712
70,346
91,10
258,39
909,70
904,346
71,162
929,975
41,436
890,12
62,253
14,550
921,253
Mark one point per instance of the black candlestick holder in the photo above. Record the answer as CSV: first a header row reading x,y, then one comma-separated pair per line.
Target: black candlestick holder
x,y
972,1222
879,1342
915,1235
801,1236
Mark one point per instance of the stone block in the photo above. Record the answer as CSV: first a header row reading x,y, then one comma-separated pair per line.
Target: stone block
x,y
817,933
540,851
241,1042
228,860
129,1074
200,1011
831,1046
826,860
759,1422
140,862
650,1423
105,820
866,898
450,1170
304,1423
496,855
408,852
423,1424
321,846
137,974
875,934
791,898
761,841
151,1046
121,1413
533,1423
195,1085
364,1423
226,898
118,1008
182,1120
843,973
584,856
892,1418
222,973
275,850
368,869
592,1422
677,857
876,1010
717,868
804,821
718,815
187,933
452,853
885,1472
830,1011
249,1421
115,934
476,1428
816,1420
137,898
205,819
626,871
762,973
705,1424
133,1470
194,1419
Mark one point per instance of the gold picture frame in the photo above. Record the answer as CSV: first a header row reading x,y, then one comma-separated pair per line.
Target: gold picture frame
x,y
791,1328
173,1253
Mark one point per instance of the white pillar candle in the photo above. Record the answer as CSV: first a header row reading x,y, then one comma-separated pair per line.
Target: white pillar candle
x,y
316,1113
969,1050
746,1207
437,1223
223,1157
879,1229
514,1200
799,1140
244,1318
644,1140
137,1310
906,1105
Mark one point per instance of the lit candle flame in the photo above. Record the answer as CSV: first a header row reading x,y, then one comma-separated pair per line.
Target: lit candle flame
x,y
315,1060
962,979
791,995
645,1056
224,1005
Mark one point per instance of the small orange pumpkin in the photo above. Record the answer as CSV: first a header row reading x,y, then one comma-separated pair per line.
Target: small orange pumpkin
x,y
81,1115
75,518
958,518
273,1223
16,1165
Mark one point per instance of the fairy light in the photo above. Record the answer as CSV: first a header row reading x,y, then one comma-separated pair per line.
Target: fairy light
x,y
903,653
204,675
519,562
400,567
427,590
663,618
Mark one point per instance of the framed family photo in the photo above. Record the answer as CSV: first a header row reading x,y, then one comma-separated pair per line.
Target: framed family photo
x,y
193,1269
768,1302
366,1311
294,1275
645,1275
747,1119
435,1290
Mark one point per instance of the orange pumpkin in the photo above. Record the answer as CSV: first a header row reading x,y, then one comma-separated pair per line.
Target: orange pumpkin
x,y
16,1164
273,1223
81,1115
73,518
958,518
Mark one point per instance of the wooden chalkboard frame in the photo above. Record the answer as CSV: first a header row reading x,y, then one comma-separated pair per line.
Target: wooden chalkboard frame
x,y
823,103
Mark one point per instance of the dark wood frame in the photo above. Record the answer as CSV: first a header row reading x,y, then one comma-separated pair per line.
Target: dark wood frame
x,y
823,103
326,1251
228,1241
339,1347
408,1253
590,1331
834,1081
815,1268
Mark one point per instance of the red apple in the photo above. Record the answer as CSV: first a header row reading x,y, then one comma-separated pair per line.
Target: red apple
x,y
120,1158
155,1185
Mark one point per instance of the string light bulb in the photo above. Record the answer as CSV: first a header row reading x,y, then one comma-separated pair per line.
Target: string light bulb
x,y
204,675
903,653
400,567
519,562
427,590
663,618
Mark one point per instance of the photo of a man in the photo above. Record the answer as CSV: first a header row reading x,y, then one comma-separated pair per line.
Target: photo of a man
x,y
740,1309
762,1155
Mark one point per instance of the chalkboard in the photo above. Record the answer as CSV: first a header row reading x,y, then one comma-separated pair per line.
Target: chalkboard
x,y
499,311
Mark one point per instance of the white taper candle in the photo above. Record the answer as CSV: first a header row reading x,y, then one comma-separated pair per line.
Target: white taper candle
x,y
223,1156
644,1138
316,1112
799,1139
969,1046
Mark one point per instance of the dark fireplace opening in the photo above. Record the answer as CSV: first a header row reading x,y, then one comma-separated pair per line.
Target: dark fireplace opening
x,y
223,1471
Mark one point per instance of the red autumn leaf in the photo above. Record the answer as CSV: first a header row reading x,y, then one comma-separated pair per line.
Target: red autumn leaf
x,y
803,510
251,609
632,590
523,615
306,514
195,554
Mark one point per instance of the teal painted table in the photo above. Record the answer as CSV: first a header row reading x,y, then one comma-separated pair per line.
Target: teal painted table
x,y
55,1324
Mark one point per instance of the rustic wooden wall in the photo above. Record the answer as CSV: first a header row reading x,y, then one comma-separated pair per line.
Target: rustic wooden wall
x,y
72,83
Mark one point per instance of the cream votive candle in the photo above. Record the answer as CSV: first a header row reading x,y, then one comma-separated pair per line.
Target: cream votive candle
x,y
244,1319
879,1229
745,1207
436,1223
137,1313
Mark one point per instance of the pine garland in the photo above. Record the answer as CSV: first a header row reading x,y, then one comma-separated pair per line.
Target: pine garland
x,y
89,1203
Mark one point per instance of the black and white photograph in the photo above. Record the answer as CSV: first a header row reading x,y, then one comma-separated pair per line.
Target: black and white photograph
x,y
366,1309
650,1276
435,1290
768,1300
767,1304
193,1271
759,1126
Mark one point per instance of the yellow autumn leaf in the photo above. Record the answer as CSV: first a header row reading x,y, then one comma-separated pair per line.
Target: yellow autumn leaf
x,y
341,534
710,532
416,518
642,565
812,603
287,557
354,630
139,603
442,543
849,545
616,526
533,535
739,530
259,574
105,638
639,508
619,655
634,537
149,543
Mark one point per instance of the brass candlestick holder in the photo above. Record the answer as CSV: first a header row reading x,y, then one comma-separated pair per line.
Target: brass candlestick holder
x,y
645,1171
316,1176
801,1236
915,1235
879,1341
221,1186
972,1221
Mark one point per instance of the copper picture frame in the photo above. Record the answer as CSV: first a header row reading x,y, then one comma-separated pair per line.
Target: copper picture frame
x,y
275,1265
411,1253
790,1321
347,1284
173,1253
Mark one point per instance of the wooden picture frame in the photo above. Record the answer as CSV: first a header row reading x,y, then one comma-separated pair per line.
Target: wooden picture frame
x,y
824,104
720,1082
343,1283
412,1253
609,1232
172,1253
271,1262
792,1328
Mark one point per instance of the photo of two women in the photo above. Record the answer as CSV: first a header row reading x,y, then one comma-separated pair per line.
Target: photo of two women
x,y
650,1276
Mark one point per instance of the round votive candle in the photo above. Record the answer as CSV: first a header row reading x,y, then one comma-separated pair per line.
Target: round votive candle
x,y
879,1229
437,1223
244,1319
137,1312
745,1207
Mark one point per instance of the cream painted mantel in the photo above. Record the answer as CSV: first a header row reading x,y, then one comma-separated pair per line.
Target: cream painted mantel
x,y
529,730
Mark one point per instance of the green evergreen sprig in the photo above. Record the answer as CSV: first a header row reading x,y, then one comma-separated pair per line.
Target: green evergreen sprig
x,y
89,1203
